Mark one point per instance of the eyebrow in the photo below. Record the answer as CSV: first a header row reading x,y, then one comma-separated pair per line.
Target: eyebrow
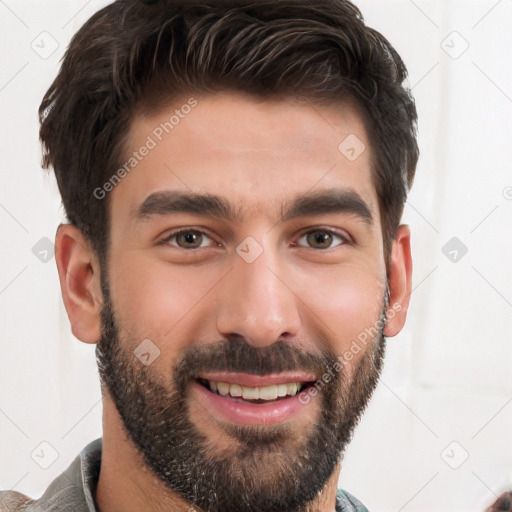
x,y
209,205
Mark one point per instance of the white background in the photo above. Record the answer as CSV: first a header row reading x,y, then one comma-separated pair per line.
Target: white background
x,y
446,390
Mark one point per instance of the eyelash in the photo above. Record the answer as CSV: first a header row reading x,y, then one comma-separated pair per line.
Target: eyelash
x,y
346,240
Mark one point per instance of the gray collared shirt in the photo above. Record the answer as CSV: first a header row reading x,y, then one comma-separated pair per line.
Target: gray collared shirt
x,y
74,490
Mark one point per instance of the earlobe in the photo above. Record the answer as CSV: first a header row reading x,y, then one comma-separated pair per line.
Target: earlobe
x,y
80,282
399,281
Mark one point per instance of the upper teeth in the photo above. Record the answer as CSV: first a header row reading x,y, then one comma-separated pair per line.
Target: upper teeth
x,y
255,393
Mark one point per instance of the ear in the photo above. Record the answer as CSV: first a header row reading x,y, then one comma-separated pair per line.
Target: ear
x,y
399,281
79,275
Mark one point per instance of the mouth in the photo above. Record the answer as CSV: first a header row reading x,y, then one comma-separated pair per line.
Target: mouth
x,y
254,394
254,400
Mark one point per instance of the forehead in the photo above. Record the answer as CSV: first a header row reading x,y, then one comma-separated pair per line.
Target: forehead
x,y
258,154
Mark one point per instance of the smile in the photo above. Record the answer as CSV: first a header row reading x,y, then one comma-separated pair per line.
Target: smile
x,y
252,400
259,394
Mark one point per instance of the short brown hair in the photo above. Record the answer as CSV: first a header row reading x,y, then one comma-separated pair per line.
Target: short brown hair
x,y
136,51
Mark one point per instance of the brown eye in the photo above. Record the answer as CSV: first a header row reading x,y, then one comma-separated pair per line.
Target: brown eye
x,y
319,239
187,239
322,239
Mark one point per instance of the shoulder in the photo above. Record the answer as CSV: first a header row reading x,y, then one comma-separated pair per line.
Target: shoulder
x,y
11,501
72,491
345,502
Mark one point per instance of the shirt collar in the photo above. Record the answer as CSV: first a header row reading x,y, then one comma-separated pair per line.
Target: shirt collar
x,y
76,487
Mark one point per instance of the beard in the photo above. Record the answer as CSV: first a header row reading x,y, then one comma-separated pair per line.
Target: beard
x,y
267,468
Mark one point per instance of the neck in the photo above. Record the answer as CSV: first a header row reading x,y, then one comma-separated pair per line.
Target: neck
x,y
126,484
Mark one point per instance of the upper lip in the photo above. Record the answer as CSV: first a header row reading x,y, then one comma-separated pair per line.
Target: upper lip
x,y
246,379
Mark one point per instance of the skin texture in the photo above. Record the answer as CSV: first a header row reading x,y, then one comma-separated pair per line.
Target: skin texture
x,y
298,298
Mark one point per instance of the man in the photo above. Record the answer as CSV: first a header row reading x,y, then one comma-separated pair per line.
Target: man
x,y
233,175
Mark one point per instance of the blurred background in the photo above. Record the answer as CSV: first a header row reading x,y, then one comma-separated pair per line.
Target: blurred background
x,y
437,435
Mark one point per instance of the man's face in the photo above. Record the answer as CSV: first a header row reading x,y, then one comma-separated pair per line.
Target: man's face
x,y
253,292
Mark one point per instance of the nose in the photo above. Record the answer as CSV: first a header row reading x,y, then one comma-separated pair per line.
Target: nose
x,y
256,302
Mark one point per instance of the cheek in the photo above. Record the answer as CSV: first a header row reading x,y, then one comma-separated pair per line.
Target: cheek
x,y
153,300
348,304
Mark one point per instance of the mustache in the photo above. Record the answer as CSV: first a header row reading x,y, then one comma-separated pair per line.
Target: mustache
x,y
241,357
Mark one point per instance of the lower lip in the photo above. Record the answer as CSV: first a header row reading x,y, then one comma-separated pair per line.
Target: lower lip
x,y
247,413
